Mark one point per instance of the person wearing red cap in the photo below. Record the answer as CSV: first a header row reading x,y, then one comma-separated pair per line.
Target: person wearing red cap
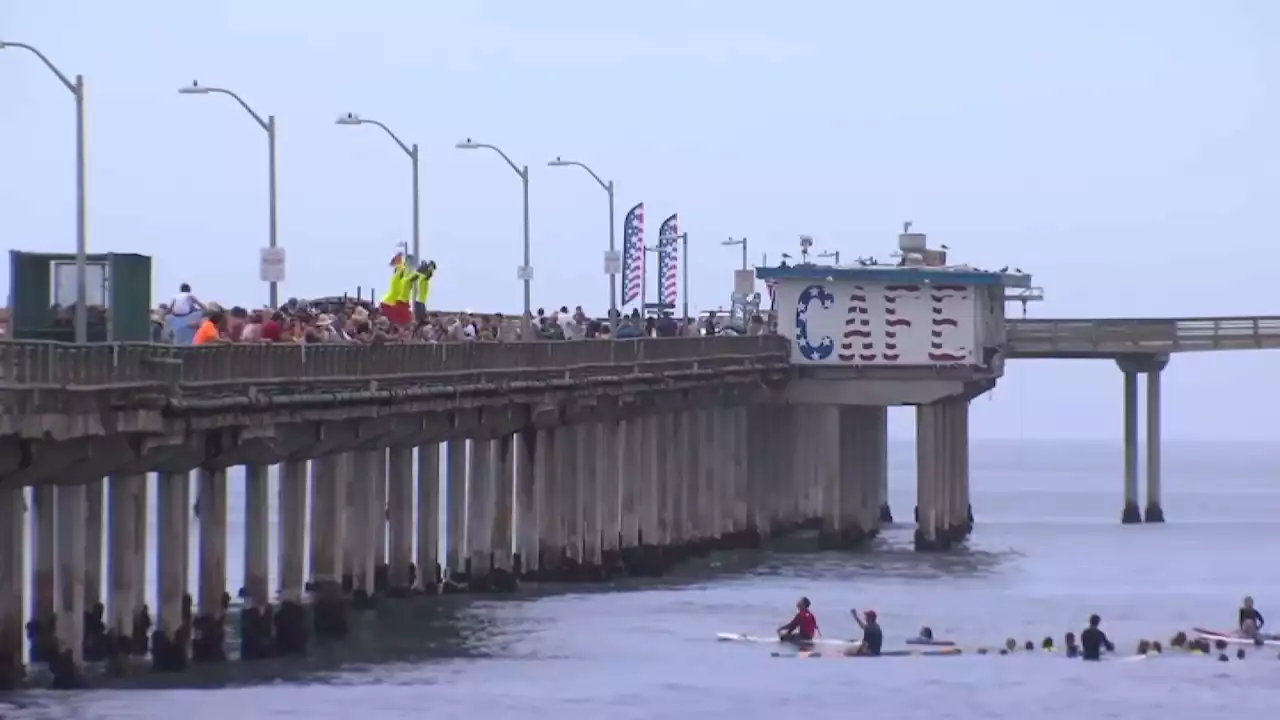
x,y
802,628
872,636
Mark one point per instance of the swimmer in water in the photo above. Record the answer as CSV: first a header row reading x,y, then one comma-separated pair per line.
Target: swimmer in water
x,y
926,633
1179,641
1047,645
1250,621
1010,645
1093,640
1144,647
1069,644
1029,646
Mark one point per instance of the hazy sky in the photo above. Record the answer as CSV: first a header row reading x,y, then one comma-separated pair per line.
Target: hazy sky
x,y
1123,152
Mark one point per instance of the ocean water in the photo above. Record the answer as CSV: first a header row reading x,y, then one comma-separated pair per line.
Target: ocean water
x,y
1047,551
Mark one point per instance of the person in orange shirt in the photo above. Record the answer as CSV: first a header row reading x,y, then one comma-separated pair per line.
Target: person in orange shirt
x,y
210,330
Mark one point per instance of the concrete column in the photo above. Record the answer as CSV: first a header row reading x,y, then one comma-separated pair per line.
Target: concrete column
x,y
723,471
70,570
185,484
428,554
1131,513
480,513
13,551
878,445
739,451
608,476
456,498
841,525
382,528
633,477
546,487
141,523
122,553
96,542
961,522
866,469
527,506
571,471
590,480
292,528
1155,510
257,535
44,561
400,507
658,460
684,436
360,556
322,478
502,511
212,502
927,443
174,514
753,448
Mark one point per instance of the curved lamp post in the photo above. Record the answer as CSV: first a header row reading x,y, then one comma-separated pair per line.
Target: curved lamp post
x,y
613,251
411,151
269,124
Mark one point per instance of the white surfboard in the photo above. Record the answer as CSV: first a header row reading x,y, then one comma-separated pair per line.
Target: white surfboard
x,y
737,637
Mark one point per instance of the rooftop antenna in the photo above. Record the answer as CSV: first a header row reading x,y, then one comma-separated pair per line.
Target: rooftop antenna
x,y
806,242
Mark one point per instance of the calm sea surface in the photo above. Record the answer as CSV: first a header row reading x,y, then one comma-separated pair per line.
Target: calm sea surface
x,y
1047,551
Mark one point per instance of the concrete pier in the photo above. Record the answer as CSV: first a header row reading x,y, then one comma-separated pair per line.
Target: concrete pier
x,y
456,519
95,539
942,474
257,622
70,551
329,480
528,449
1131,366
591,481
428,549
13,550
291,633
209,629
569,484
170,642
400,509
128,622
44,544
608,474
481,488
362,529
546,505
502,515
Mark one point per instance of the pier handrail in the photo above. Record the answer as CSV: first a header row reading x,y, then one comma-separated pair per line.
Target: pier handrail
x,y
1143,334
26,364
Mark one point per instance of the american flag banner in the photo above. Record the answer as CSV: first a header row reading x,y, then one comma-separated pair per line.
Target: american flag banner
x,y
668,260
633,254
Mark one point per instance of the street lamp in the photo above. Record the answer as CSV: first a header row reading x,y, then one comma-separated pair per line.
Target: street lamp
x,y
76,87
412,152
525,273
835,254
269,124
743,242
611,259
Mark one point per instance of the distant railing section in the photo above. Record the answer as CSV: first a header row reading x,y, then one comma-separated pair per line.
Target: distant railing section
x,y
1142,335
51,364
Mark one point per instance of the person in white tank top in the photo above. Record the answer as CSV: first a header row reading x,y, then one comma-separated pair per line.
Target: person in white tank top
x,y
184,303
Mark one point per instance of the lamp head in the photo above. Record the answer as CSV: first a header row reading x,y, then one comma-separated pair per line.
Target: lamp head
x,y
731,241
559,163
2,45
193,89
467,144
348,119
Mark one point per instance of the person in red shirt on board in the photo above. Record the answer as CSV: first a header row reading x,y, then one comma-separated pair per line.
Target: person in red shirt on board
x,y
803,627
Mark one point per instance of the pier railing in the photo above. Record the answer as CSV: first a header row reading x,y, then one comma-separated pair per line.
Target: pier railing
x,y
1102,337
61,365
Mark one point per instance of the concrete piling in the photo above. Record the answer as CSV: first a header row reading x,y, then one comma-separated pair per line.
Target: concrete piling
x,y
13,550
633,476
290,618
380,524
1154,510
1131,514
208,642
502,514
427,562
480,503
547,512
40,627
329,479
363,531
257,621
400,509
456,519
590,480
172,637
126,569
66,665
529,446
608,475
95,539
569,483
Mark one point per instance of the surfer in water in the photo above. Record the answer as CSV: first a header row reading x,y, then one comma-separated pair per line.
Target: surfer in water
x,y
1092,640
803,627
1251,621
872,635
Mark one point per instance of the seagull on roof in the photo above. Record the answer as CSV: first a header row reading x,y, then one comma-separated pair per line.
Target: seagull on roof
x,y
1004,269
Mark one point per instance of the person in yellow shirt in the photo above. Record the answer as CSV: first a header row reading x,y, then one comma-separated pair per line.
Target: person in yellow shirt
x,y
422,288
395,304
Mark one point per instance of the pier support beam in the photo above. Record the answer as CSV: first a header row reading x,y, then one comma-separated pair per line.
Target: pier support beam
x,y
43,601
95,540
172,637
427,564
590,480
480,499
291,618
329,478
928,478
66,667
400,508
363,531
1132,366
456,519
546,487
502,514
256,620
13,552
126,565
528,505
209,641
569,482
